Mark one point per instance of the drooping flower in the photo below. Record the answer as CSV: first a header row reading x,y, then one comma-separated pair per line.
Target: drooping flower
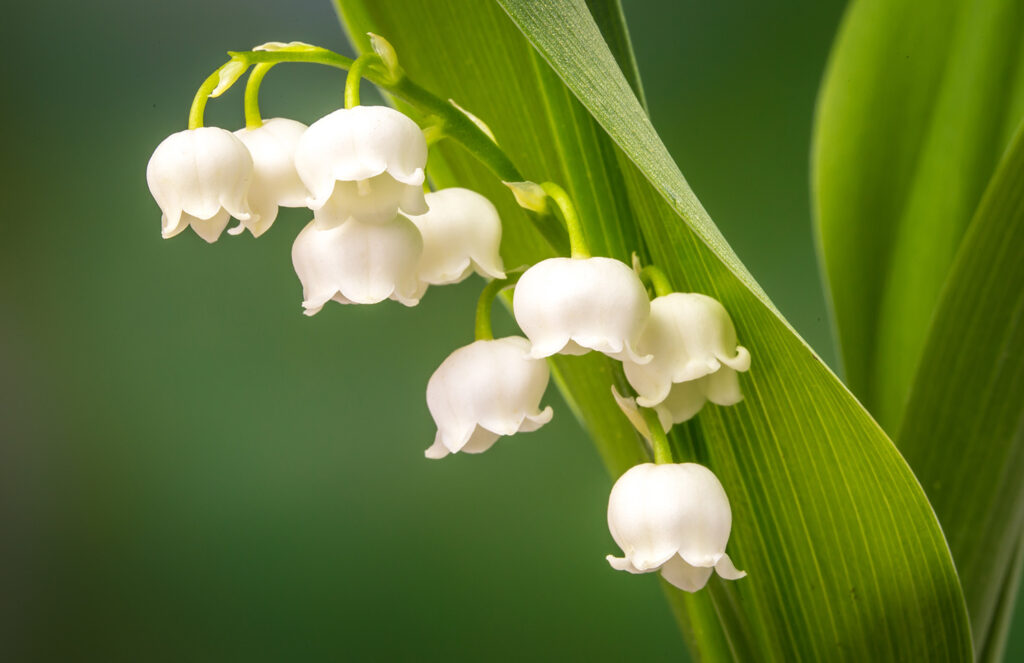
x,y
686,399
275,182
484,390
461,233
574,305
364,163
201,178
690,336
672,518
358,263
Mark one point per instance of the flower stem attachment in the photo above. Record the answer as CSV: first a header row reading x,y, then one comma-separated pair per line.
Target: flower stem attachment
x,y
253,119
577,243
355,77
659,440
484,332
659,282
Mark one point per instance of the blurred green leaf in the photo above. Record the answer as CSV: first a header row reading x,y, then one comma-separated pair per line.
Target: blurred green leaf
x,y
919,102
845,556
963,432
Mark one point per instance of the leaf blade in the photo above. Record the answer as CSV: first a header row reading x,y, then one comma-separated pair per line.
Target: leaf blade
x,y
911,122
778,462
964,426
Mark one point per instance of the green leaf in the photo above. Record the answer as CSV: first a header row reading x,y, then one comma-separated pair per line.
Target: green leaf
x,y
844,554
919,102
964,428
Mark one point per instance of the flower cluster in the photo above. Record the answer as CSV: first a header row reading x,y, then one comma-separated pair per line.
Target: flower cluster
x,y
374,235
377,234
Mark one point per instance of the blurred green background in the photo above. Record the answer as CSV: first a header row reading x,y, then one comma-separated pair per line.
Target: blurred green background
x,y
192,470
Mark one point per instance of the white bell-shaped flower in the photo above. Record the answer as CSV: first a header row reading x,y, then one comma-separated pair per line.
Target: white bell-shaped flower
x,y
461,233
690,336
358,263
364,163
485,390
275,182
201,178
574,305
672,518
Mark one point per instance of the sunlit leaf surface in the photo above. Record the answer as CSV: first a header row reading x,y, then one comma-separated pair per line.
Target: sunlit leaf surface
x,y
845,557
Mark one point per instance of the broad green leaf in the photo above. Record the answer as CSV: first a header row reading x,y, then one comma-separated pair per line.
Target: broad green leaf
x,y
919,102
964,428
845,557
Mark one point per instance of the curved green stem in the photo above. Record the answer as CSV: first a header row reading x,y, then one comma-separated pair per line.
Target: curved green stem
x,y
253,119
451,122
659,441
454,122
195,113
577,243
355,77
485,303
659,282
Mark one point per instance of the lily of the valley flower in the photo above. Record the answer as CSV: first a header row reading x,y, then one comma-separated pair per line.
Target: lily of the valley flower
x,y
364,163
275,182
484,390
461,233
690,336
201,178
574,305
672,518
358,263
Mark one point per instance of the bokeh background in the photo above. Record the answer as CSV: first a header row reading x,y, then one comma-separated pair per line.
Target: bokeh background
x,y
192,470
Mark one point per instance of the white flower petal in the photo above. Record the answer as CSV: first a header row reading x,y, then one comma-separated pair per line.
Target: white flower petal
x,y
358,263
437,450
595,303
683,402
481,440
489,386
460,231
363,143
685,577
209,229
726,569
722,387
622,564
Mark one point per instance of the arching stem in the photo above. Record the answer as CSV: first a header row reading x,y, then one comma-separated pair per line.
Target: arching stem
x,y
195,113
659,440
577,242
355,77
659,282
253,119
485,303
